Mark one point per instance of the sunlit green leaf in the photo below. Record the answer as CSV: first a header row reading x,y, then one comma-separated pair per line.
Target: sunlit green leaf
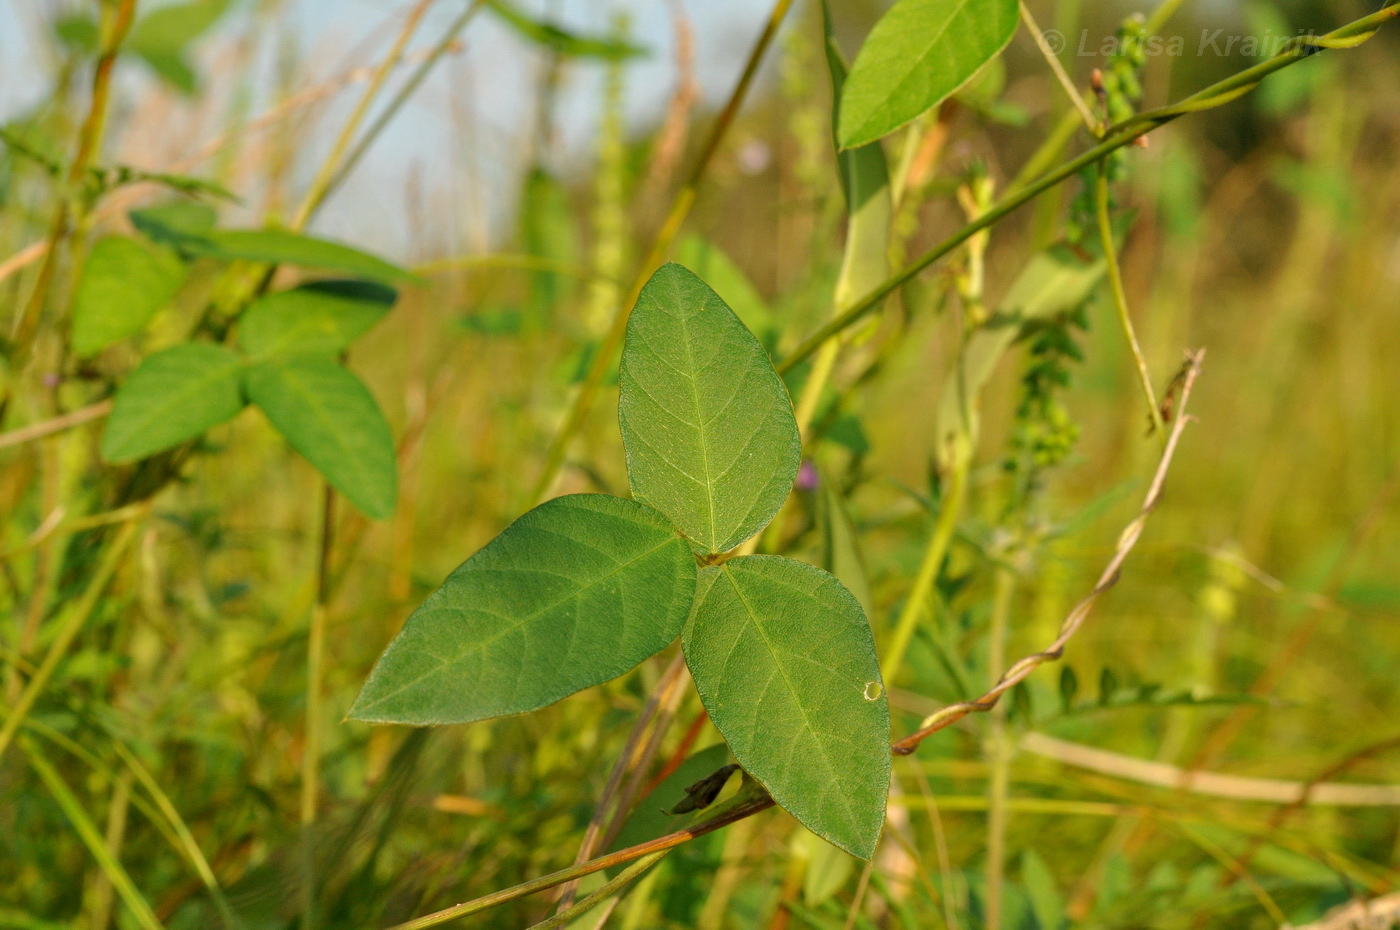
x,y
123,283
174,222
330,417
289,248
919,53
708,425
162,37
323,317
785,663
173,396
572,594
562,41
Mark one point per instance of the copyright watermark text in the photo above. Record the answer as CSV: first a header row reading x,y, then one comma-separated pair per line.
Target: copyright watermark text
x,y
1215,42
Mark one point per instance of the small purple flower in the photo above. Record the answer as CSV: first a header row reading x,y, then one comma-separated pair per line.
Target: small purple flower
x,y
52,380
807,478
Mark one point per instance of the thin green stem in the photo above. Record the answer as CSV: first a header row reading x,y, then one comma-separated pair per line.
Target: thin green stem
x,y
70,627
1120,297
187,843
660,246
326,176
999,750
1116,137
624,878
89,144
1091,122
409,88
938,541
315,672
669,841
92,839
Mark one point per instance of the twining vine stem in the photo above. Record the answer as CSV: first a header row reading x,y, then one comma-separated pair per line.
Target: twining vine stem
x,y
1115,138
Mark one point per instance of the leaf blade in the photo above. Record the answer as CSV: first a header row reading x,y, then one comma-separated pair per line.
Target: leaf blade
x,y
330,417
123,284
719,470
628,566
324,317
778,641
173,396
919,53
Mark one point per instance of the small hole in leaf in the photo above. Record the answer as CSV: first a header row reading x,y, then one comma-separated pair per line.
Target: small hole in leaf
x,y
873,690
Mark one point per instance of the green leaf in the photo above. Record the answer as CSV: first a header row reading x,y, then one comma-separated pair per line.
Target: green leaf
x,y
279,246
173,396
324,317
919,53
574,593
562,41
175,222
828,869
785,664
865,183
1047,904
79,31
707,424
161,38
330,417
123,284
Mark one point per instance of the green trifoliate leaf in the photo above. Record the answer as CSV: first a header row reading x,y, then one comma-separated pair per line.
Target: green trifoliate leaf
x,y
574,593
330,417
324,317
707,423
123,284
785,663
919,53
173,396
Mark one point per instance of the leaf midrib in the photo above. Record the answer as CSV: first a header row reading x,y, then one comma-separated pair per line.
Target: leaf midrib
x,y
782,670
328,423
483,644
700,426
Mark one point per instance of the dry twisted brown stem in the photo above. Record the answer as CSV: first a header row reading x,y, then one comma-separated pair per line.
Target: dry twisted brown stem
x,y
1126,541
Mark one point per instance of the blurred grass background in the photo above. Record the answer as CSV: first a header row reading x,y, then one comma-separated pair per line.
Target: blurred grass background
x,y
1267,231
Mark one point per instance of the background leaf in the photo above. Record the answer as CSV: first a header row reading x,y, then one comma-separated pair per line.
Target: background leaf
x,y
322,317
330,417
919,53
708,426
174,222
562,41
162,36
865,184
188,228
785,663
173,396
574,593
123,284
